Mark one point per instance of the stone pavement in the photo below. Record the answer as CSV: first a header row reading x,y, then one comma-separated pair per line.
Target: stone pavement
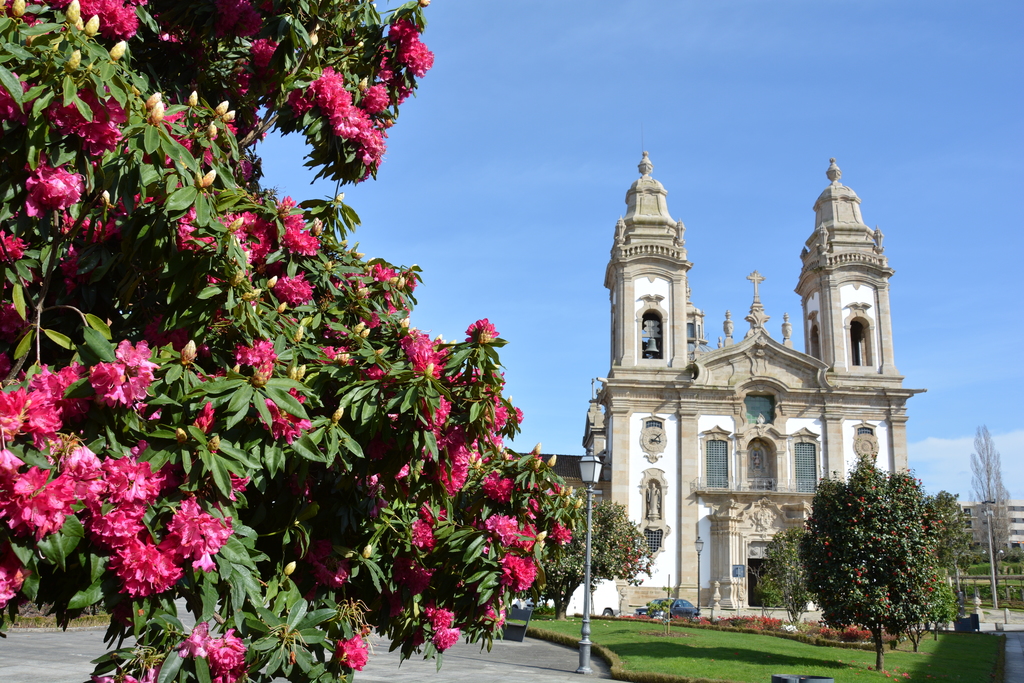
x,y
31,656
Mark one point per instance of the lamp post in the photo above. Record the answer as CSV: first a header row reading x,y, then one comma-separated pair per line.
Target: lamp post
x,y
991,555
698,545
590,473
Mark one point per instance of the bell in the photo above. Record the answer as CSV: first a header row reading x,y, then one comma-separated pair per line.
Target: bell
x,y
652,345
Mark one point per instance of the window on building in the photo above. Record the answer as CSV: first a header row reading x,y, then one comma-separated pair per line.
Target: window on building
x,y
815,342
859,346
651,336
758,405
691,330
806,467
866,430
653,423
717,461
969,524
654,538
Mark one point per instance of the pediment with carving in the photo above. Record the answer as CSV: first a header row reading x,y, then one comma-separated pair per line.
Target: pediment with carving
x,y
760,357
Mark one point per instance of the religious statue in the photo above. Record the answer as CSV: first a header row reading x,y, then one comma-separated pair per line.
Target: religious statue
x,y
653,497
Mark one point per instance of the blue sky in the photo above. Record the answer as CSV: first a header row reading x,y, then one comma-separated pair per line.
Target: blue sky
x,y
505,175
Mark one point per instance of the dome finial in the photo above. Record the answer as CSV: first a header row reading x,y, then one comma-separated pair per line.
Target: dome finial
x,y
645,166
833,172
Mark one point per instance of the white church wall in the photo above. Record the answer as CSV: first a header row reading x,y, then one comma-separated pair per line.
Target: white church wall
x,y
813,305
884,459
664,564
643,286
704,531
862,294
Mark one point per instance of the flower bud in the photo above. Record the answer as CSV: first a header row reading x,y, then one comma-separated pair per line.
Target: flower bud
x,y
18,8
359,328
272,282
428,369
578,503
367,552
402,282
221,109
536,450
214,443
358,254
424,3
404,323
92,27
342,359
75,61
363,84
293,372
230,116
237,369
181,435
259,380
365,333
338,414
157,115
188,354
236,278
282,307
193,99
542,535
236,224
339,198
316,228
117,51
363,292
211,131
106,199
153,100
208,178
299,334
289,568
74,12
552,460
79,24
393,281
300,372
314,38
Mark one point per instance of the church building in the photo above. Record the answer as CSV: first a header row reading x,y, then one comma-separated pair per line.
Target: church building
x,y
726,443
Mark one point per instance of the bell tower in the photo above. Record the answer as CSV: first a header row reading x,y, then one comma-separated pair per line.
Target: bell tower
x,y
844,287
646,279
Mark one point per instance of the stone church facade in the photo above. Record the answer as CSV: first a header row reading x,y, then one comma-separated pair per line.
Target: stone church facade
x,y
728,442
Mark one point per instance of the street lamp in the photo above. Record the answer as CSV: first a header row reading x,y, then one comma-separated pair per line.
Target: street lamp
x,y
698,545
590,473
991,555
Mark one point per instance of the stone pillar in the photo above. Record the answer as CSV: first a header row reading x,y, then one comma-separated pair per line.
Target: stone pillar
x,y
836,328
678,314
898,439
832,455
688,508
888,364
627,318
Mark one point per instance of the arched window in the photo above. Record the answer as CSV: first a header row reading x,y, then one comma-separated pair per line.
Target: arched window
x,y
717,463
860,347
866,430
691,330
651,335
815,342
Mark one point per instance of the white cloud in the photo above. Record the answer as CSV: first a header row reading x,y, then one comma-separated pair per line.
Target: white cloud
x,y
945,464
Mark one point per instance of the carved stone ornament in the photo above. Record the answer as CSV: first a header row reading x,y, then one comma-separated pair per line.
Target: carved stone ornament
x,y
763,517
866,445
653,440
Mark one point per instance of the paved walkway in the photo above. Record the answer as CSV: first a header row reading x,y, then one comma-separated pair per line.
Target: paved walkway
x,y
31,656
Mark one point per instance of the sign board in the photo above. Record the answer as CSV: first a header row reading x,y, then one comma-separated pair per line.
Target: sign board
x,y
739,571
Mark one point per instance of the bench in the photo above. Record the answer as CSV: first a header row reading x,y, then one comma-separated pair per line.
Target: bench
x,y
516,623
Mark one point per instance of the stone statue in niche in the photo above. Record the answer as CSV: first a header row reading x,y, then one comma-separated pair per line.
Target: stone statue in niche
x,y
654,500
757,457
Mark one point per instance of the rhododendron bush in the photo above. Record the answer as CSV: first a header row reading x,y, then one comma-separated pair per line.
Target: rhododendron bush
x,y
211,402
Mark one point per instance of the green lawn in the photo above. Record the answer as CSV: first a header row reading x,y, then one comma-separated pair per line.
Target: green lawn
x,y
750,658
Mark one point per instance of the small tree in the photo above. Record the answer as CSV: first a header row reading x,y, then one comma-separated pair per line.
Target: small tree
x,y
987,485
784,576
618,551
953,538
869,552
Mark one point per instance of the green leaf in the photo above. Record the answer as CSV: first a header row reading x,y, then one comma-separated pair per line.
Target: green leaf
x,y
151,139
97,324
18,295
87,596
70,90
12,85
59,339
98,345
181,199
308,449
202,670
25,344
171,666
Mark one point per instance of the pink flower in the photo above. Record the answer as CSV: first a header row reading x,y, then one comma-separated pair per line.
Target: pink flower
x,y
227,657
504,528
285,425
482,332
28,412
444,638
53,385
237,18
51,189
328,568
262,51
198,535
145,569
204,420
424,354
375,99
294,291
125,382
197,641
423,535
33,505
130,481
352,653
12,576
115,528
11,248
560,534
296,239
498,488
411,52
347,120
439,618
260,355
518,573
409,574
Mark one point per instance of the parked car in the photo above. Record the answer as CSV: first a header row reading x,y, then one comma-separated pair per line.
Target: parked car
x,y
677,608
